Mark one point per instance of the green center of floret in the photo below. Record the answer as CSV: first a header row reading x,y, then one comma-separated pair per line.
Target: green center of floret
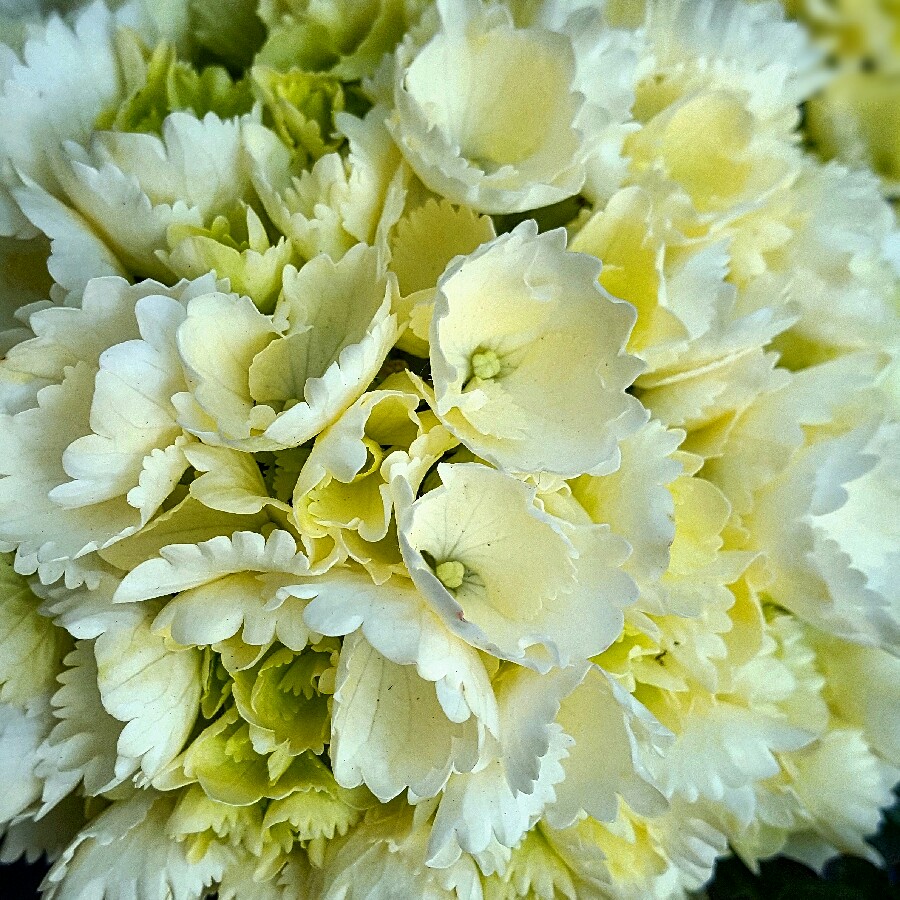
x,y
485,364
450,574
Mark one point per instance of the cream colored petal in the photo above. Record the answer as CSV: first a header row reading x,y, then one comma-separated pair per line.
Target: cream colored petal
x,y
388,729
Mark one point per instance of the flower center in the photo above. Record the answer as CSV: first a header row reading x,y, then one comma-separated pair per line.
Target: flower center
x,y
450,574
485,364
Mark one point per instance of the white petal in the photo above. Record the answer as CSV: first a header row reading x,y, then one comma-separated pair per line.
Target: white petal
x,y
389,731
479,807
21,733
69,77
612,733
154,690
184,566
82,744
127,852
395,620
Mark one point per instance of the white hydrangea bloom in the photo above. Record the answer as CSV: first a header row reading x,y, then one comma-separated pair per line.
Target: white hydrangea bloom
x,y
533,866
691,316
31,646
77,253
480,807
635,858
841,787
613,736
730,45
81,748
255,584
339,201
142,205
345,455
606,61
636,502
527,357
267,382
397,622
503,118
393,557
69,76
829,524
675,634
91,437
506,793
426,239
130,189
228,480
383,858
344,488
782,815
510,578
819,496
713,151
863,689
841,263
154,690
746,743
128,848
524,752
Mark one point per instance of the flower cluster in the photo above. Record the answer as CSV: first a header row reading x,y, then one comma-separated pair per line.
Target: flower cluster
x,y
447,450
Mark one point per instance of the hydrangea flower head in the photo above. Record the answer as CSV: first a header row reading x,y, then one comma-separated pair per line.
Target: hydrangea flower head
x,y
448,450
